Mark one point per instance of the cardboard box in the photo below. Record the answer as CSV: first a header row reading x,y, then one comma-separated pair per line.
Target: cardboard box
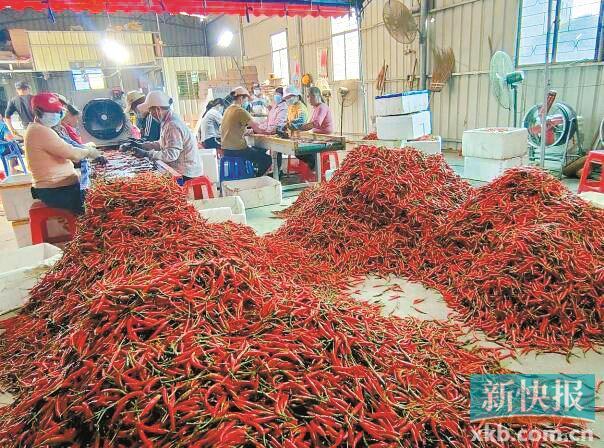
x,y
404,127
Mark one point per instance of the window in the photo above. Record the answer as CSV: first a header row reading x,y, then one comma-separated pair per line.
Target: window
x,y
188,84
574,38
280,59
345,47
88,79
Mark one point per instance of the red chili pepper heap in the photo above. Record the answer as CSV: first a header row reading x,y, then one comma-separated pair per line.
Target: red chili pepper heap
x,y
523,260
157,329
372,215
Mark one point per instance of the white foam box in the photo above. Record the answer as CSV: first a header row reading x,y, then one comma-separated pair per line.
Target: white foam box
x,y
426,146
22,232
15,192
404,127
329,174
495,143
593,197
216,215
235,204
210,164
402,103
478,168
20,270
256,192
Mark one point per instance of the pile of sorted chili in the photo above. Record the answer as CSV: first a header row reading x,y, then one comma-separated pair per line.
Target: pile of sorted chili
x,y
372,215
158,329
521,258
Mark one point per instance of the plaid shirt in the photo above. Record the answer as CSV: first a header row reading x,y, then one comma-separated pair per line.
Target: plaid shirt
x,y
177,146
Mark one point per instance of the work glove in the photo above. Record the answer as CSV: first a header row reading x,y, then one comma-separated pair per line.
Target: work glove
x,y
93,153
100,160
139,152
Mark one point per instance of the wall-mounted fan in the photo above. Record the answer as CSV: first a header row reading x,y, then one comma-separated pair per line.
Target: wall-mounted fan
x,y
399,22
348,92
505,81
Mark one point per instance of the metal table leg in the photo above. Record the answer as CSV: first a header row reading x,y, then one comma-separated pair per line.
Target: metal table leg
x,y
275,166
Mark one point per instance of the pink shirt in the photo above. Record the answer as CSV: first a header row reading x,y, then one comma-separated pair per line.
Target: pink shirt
x,y
277,117
322,120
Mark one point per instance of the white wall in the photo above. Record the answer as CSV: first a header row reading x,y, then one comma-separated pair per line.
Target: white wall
x,y
473,28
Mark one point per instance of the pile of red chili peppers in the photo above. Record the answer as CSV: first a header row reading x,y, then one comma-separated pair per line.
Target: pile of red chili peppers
x,y
157,329
521,258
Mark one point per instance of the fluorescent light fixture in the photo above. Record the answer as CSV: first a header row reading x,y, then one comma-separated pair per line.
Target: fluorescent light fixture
x,y
115,51
199,16
225,39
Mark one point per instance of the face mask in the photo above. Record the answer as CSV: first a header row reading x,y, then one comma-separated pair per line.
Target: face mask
x,y
293,100
50,119
278,98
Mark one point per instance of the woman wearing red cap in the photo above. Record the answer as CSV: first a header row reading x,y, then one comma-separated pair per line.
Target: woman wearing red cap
x,y
55,181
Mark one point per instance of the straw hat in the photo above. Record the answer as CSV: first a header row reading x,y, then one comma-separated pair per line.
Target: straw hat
x,y
132,97
156,98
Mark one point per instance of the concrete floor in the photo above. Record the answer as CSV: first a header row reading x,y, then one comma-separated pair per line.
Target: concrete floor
x,y
429,304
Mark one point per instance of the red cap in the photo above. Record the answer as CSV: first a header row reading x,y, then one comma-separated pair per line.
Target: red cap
x,y
47,102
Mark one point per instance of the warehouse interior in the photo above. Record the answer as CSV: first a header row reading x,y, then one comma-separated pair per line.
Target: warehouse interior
x,y
346,223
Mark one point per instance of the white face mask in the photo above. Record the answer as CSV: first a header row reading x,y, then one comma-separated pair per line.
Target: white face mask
x,y
50,119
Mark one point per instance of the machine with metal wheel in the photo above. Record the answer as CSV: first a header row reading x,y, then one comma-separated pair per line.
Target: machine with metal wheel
x,y
104,122
563,144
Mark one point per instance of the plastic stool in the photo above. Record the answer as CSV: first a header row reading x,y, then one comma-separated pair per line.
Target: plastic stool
x,y
330,158
585,184
39,214
197,187
14,153
235,168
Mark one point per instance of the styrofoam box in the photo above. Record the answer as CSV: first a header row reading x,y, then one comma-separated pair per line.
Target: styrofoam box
x,y
16,196
478,168
22,232
210,164
256,192
216,215
20,270
593,197
425,146
490,144
404,127
233,202
402,103
329,174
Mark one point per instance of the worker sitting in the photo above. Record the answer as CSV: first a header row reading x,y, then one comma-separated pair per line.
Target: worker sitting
x,y
177,146
297,112
321,121
70,122
148,126
277,115
210,123
233,129
55,181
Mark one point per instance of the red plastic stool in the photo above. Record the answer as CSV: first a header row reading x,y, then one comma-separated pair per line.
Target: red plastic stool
x,y
198,185
330,158
594,157
39,214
